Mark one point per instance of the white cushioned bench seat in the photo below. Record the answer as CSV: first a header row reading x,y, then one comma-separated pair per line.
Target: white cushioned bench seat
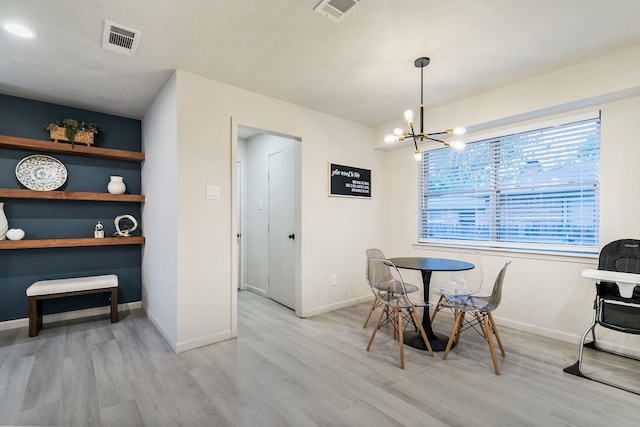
x,y
58,288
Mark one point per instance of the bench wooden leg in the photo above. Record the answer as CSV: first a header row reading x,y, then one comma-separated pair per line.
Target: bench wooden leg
x,y
114,305
35,306
35,316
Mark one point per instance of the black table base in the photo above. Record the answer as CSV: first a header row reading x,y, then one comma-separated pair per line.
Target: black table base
x,y
414,339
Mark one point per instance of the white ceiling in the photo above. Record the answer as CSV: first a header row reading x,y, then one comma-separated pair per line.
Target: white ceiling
x,y
360,69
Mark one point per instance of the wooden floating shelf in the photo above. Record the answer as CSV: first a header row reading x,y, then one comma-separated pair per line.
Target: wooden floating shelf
x,y
63,148
70,243
69,195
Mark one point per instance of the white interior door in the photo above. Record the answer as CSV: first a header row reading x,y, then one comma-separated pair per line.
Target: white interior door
x,y
282,176
240,222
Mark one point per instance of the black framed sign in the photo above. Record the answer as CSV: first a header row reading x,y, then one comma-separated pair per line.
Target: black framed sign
x,y
347,181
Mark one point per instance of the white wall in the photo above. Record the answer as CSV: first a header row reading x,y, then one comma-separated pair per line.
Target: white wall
x,y
258,150
543,294
335,232
159,213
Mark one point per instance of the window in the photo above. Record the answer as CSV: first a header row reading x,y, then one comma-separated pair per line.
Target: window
x,y
532,190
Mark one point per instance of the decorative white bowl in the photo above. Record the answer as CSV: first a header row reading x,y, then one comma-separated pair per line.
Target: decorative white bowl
x,y
15,234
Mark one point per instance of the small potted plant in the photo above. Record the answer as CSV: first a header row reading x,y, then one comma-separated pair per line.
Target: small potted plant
x,y
72,130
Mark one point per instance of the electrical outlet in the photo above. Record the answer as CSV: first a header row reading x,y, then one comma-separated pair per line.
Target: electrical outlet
x,y
333,279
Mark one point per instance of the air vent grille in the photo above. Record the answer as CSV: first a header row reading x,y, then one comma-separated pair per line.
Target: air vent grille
x,y
335,10
120,39
342,5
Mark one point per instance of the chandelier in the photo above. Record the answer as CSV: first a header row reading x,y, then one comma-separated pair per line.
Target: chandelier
x,y
401,135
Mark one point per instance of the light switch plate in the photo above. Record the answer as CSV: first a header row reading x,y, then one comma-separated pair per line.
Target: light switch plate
x,y
333,279
213,193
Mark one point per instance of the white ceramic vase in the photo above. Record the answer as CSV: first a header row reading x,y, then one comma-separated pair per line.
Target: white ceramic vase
x,y
116,185
4,224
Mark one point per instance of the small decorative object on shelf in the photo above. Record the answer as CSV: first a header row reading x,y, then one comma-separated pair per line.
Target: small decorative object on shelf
x,y
41,172
116,185
125,232
72,130
15,234
4,224
99,231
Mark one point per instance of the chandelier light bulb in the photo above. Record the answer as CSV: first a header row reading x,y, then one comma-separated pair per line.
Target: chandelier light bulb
x,y
418,155
408,116
398,131
459,131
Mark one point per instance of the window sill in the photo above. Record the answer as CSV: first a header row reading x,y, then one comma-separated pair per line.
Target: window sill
x,y
524,253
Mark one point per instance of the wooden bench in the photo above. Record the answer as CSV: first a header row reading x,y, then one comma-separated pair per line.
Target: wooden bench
x,y
58,288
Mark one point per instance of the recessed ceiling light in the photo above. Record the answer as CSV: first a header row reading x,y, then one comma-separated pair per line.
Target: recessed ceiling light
x,y
20,30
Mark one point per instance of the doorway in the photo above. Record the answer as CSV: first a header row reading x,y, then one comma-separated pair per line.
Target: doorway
x,y
268,215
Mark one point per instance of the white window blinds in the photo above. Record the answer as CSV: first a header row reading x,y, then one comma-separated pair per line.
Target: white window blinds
x,y
535,189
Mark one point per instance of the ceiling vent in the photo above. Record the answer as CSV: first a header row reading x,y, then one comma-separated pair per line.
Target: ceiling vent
x,y
120,39
335,9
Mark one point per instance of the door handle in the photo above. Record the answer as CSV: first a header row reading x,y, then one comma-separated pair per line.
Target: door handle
x,y
292,236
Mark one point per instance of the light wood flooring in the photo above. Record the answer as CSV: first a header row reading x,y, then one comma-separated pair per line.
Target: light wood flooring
x,y
287,371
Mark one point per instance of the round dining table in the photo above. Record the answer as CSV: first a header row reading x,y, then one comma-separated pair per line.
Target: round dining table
x,y
427,265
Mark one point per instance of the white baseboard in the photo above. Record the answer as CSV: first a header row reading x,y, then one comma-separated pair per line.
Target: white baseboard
x,y
202,341
335,306
179,347
537,330
258,291
607,340
69,315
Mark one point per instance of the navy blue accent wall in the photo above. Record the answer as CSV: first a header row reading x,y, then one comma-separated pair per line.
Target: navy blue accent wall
x,y
19,268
